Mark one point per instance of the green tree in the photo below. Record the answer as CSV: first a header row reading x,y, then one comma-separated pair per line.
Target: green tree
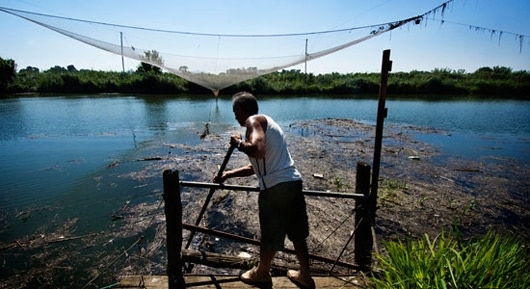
x,y
151,57
29,69
57,69
7,72
71,68
27,80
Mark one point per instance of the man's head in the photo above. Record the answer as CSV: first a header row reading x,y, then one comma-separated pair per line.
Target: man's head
x,y
244,104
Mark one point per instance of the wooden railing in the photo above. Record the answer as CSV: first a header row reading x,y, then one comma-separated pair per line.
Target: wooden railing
x,y
174,225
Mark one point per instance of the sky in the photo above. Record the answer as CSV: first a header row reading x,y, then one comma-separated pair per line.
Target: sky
x,y
463,42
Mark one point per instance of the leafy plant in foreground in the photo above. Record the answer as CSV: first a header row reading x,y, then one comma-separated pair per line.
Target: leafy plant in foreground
x,y
489,262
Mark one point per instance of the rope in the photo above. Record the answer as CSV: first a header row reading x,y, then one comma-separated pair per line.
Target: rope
x,y
491,30
345,245
442,6
518,36
335,230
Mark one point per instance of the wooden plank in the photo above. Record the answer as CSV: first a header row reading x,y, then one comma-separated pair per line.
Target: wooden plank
x,y
160,282
138,281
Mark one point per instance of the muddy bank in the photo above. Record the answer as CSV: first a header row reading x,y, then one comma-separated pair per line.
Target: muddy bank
x,y
419,193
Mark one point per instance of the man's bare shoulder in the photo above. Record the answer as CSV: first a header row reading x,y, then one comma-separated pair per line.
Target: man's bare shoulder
x,y
258,120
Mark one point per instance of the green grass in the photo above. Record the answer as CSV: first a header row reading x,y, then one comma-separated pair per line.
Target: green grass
x,y
488,262
392,190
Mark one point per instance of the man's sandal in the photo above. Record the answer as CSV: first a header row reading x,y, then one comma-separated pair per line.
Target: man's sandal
x,y
294,276
251,278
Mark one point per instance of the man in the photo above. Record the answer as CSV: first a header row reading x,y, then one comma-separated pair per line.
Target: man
x,y
281,202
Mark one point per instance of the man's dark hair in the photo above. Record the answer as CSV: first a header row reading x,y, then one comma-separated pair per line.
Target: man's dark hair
x,y
245,101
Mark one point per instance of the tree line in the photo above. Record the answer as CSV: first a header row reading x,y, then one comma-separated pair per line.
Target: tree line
x,y
497,81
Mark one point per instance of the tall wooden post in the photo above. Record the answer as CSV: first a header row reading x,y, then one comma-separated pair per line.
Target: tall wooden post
x,y
173,211
365,208
363,224
381,115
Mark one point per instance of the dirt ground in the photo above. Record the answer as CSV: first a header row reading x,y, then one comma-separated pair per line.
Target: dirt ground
x,y
419,193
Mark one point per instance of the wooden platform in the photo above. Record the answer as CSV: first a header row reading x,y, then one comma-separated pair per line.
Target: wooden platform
x,y
160,282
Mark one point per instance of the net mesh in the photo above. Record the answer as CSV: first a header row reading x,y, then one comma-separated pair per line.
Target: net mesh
x,y
214,61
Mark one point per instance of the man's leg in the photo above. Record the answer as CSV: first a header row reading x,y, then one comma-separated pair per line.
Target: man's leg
x,y
300,247
265,261
260,275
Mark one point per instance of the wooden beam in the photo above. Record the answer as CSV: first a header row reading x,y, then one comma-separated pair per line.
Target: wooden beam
x,y
256,189
232,282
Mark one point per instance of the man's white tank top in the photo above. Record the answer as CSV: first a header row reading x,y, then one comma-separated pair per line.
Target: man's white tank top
x,y
277,166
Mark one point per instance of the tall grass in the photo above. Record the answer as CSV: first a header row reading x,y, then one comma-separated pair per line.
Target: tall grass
x,y
488,262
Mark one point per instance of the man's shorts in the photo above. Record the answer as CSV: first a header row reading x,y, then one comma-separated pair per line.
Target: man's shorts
x,y
282,211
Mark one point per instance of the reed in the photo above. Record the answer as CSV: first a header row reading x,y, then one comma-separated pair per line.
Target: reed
x,y
492,261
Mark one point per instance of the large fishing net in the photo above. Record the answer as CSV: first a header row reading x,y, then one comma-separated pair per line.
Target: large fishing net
x,y
214,61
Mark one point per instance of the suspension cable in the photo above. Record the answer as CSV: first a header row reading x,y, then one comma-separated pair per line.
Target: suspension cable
x,y
11,11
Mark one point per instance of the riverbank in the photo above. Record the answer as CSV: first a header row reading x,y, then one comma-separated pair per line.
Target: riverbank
x,y
417,195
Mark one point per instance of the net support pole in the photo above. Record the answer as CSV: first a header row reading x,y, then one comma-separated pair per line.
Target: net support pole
x,y
365,208
306,54
382,112
173,212
121,45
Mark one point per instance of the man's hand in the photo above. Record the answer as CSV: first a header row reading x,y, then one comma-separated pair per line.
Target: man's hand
x,y
219,179
235,139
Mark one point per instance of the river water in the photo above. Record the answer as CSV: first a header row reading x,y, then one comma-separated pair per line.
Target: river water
x,y
48,145
55,151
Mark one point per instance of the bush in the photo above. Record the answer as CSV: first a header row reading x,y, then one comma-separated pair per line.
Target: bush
x,y
7,72
492,82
